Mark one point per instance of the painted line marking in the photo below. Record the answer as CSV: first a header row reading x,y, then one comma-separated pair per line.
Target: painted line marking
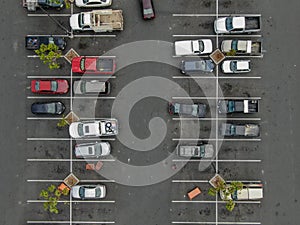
x,y
213,98
69,97
70,160
239,202
219,160
45,15
59,118
68,139
214,223
46,35
75,201
81,181
68,222
95,35
213,119
68,77
215,35
215,139
206,181
213,77
210,14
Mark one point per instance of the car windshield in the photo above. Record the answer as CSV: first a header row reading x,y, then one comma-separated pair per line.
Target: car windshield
x,y
228,22
148,11
80,129
81,192
233,66
97,192
234,195
54,86
83,87
85,1
37,85
201,46
82,63
80,20
51,108
202,151
232,130
98,149
234,45
231,106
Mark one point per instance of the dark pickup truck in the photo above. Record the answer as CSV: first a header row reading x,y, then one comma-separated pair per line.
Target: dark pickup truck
x,y
34,42
32,5
237,106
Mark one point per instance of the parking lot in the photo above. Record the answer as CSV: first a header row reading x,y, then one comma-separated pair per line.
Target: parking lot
x,y
147,78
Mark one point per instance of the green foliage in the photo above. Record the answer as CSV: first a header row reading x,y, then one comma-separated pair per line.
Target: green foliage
x,y
62,122
232,52
49,54
52,196
227,190
68,4
54,1
230,204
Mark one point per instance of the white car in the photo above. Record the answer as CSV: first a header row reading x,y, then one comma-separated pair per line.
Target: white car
x,y
88,191
92,150
98,128
251,192
93,3
236,66
193,47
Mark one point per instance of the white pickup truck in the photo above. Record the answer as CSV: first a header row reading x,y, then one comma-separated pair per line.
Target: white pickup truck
x,y
193,47
242,47
237,24
106,20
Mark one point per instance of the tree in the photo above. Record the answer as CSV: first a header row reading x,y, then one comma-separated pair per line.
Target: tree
x,y
49,55
62,122
227,190
232,52
52,196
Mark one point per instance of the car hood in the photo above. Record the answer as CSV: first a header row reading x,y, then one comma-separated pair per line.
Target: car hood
x,y
207,46
220,25
74,22
226,46
76,65
226,67
73,130
75,191
105,147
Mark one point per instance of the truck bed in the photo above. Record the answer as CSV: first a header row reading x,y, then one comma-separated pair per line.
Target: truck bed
x,y
107,20
252,23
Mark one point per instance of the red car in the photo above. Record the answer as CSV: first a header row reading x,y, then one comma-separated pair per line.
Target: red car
x,y
97,65
49,86
147,9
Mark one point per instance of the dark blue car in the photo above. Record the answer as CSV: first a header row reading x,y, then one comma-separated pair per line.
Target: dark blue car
x,y
55,108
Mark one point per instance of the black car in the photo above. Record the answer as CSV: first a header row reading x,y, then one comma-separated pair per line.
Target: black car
x,y
55,108
53,4
34,42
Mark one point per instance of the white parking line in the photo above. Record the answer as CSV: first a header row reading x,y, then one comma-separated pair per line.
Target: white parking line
x,y
214,223
213,98
59,118
68,77
213,77
213,119
218,160
68,139
206,181
209,202
215,35
81,181
210,14
68,222
214,139
45,15
69,97
75,201
46,35
94,35
70,160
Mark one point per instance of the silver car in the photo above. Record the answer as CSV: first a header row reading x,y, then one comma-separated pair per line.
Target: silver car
x,y
91,87
92,150
93,3
88,191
